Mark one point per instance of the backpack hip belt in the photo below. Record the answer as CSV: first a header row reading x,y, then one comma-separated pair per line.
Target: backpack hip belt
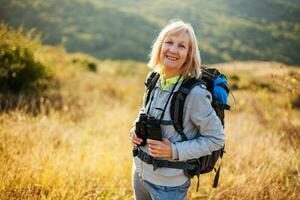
x,y
191,168
157,163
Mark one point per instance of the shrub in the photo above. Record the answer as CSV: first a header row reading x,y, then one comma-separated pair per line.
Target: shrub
x,y
20,71
90,65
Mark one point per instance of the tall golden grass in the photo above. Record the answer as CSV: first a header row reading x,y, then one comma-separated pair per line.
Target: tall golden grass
x,y
82,150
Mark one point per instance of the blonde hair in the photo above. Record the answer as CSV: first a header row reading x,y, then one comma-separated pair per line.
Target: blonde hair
x,y
192,65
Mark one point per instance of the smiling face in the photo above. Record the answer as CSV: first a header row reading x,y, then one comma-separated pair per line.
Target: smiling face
x,y
174,52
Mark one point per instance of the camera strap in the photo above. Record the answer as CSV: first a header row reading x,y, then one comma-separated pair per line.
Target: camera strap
x,y
163,111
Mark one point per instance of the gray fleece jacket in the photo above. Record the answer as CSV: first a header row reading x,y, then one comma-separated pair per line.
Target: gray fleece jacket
x,y
201,125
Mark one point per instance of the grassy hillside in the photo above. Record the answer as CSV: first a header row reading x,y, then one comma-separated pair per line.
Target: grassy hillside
x,y
227,30
81,149
82,27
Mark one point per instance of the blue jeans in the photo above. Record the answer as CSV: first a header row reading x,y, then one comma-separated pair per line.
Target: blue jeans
x,y
144,190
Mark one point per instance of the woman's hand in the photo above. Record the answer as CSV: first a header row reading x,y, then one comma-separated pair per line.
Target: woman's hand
x,y
135,140
160,149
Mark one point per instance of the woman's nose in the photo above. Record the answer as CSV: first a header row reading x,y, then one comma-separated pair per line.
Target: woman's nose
x,y
173,49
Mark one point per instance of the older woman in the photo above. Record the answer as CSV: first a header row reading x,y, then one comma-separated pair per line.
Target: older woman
x,y
176,56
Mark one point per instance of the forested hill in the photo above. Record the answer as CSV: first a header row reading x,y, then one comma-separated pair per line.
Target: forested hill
x,y
124,29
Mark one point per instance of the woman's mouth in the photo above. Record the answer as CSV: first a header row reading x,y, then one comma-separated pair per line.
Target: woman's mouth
x,y
171,58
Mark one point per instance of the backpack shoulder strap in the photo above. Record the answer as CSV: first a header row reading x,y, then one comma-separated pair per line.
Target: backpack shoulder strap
x,y
177,103
150,83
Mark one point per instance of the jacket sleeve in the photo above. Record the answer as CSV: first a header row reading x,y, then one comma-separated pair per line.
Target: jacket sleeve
x,y
203,116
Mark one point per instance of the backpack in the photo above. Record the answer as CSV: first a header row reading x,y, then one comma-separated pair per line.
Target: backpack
x,y
216,83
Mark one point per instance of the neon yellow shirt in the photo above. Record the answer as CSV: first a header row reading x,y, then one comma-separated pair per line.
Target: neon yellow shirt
x,y
165,83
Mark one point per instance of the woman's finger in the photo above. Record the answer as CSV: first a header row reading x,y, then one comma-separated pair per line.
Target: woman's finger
x,y
153,142
157,154
135,140
157,149
153,151
133,135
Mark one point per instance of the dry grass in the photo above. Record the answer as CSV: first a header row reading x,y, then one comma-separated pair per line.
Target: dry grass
x,y
83,152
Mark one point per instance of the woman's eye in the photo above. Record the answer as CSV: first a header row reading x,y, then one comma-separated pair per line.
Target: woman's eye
x,y
182,46
168,42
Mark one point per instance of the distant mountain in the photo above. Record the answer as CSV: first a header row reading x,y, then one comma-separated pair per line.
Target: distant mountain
x,y
124,29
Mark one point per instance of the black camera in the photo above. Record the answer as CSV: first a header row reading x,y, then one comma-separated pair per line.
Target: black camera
x,y
147,127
